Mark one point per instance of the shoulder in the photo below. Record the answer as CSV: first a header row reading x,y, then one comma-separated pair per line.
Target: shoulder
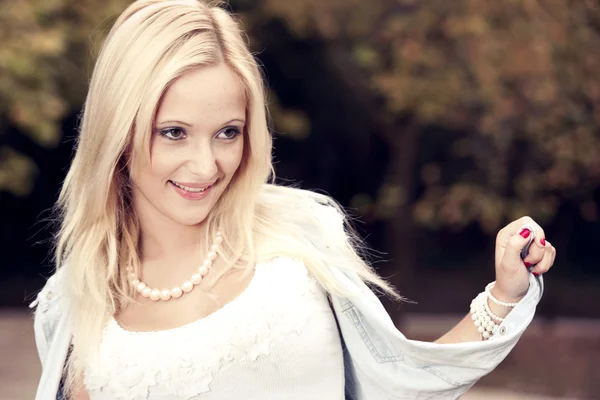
x,y
302,205
48,311
50,294
291,215
49,305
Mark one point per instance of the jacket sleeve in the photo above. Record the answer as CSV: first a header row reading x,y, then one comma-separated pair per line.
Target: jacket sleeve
x,y
380,353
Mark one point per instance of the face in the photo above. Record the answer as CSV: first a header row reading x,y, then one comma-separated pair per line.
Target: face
x,y
196,147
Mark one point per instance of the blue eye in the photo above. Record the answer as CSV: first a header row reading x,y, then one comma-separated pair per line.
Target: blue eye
x,y
229,133
173,133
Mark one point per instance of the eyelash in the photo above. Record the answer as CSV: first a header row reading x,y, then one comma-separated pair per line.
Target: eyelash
x,y
165,132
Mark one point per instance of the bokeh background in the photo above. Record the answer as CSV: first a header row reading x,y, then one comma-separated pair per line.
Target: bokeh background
x,y
435,122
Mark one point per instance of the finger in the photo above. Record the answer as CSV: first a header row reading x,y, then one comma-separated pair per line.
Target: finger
x,y
515,226
512,254
540,235
548,260
536,254
502,240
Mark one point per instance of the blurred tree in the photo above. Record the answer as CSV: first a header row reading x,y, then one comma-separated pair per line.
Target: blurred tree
x,y
511,87
518,79
45,62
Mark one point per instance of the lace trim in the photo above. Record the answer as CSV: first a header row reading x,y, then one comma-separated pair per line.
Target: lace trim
x,y
180,363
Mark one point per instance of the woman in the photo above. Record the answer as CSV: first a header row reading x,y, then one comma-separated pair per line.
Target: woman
x,y
185,275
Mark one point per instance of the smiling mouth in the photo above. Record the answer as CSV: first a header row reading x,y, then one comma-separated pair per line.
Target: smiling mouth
x,y
191,189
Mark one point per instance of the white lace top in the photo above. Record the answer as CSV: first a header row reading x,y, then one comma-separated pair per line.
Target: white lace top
x,y
276,340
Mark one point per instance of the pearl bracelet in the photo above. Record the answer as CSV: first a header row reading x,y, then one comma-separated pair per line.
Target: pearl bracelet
x,y
488,291
494,317
482,318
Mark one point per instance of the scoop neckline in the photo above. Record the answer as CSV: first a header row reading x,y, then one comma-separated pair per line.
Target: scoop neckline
x,y
236,300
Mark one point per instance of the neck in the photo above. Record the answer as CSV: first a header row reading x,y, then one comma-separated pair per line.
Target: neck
x,y
169,241
164,240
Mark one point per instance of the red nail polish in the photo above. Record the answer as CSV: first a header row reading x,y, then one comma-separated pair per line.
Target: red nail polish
x,y
543,241
528,264
536,274
525,233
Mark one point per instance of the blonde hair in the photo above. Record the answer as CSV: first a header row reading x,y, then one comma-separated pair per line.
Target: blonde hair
x,y
152,43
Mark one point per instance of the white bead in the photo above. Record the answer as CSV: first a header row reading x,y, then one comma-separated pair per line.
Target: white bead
x,y
196,279
486,335
165,294
480,329
490,296
490,328
477,323
487,318
474,317
155,294
176,292
187,286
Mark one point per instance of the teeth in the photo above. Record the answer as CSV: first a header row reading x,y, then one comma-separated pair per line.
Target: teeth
x,y
189,189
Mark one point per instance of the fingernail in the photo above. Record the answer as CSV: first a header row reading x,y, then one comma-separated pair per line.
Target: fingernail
x,y
536,274
528,264
525,233
543,241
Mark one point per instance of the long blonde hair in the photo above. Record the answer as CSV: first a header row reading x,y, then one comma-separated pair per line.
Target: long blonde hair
x,y
152,43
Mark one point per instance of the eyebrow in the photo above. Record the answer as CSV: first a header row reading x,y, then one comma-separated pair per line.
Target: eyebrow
x,y
174,121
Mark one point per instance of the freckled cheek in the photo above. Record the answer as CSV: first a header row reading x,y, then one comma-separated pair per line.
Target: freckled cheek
x,y
165,161
231,157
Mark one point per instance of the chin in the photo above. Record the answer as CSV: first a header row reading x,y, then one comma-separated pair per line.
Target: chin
x,y
191,221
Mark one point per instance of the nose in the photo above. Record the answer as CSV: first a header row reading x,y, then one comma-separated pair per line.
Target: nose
x,y
202,162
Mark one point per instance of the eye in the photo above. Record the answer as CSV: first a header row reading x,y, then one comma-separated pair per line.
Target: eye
x,y
229,133
173,133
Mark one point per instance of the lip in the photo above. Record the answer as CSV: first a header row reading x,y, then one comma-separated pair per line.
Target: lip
x,y
193,195
196,185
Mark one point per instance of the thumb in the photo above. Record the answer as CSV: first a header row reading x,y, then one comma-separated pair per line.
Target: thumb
x,y
517,247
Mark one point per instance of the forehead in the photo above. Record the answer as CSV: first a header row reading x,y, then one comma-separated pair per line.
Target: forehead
x,y
202,95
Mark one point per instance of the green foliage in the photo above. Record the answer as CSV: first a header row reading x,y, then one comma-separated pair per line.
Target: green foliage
x,y
518,77
45,62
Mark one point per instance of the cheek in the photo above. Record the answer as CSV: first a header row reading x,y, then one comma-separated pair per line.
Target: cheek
x,y
231,158
163,162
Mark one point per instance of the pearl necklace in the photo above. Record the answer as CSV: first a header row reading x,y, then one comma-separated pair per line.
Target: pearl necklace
x,y
177,291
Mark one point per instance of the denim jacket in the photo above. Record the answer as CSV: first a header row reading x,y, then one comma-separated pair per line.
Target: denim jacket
x,y
380,362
